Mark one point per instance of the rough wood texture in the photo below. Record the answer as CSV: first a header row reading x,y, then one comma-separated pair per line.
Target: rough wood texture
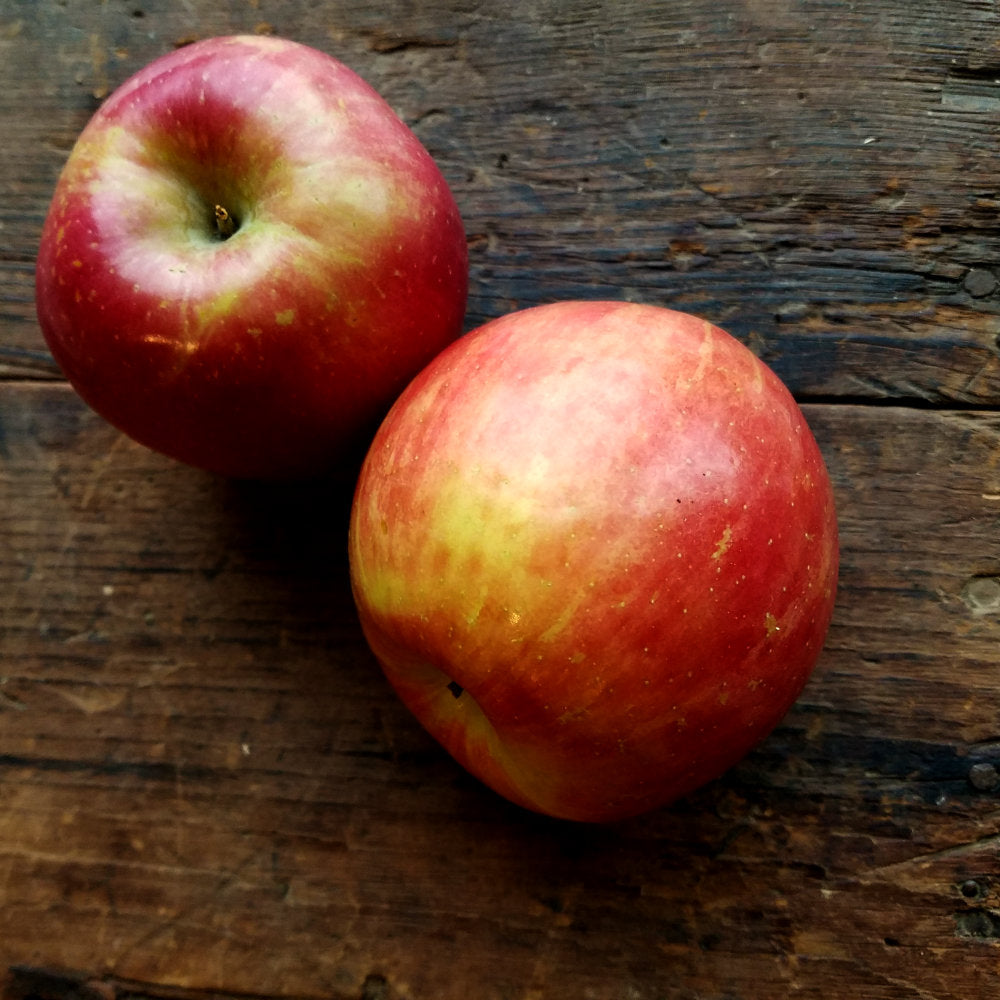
x,y
207,789
817,176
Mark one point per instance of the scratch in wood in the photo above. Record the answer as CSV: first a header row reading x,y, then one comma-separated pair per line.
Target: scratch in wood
x,y
918,991
539,978
178,809
42,983
385,43
10,701
978,382
988,843
119,443
91,699
147,868
99,65
161,932
158,669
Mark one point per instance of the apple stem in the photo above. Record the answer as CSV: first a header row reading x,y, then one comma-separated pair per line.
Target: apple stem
x,y
225,224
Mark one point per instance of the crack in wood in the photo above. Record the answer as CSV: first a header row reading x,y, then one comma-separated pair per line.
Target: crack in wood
x,y
957,851
385,43
27,982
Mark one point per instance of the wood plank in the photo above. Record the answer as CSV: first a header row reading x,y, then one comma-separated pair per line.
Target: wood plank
x,y
205,784
206,787
814,175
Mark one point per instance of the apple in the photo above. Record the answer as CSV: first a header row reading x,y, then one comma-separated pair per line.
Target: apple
x,y
247,257
593,546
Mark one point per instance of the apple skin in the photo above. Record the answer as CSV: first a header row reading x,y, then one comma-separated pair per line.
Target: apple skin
x,y
273,351
594,547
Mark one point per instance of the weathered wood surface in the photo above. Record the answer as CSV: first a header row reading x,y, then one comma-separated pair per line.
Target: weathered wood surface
x,y
205,781
206,788
819,176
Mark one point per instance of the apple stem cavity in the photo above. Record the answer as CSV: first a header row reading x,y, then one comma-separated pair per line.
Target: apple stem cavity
x,y
225,223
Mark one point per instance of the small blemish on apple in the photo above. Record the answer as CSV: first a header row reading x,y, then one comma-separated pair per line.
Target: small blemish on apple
x,y
722,545
456,689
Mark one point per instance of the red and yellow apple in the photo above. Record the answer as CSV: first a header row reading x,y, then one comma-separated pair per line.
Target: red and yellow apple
x,y
247,257
594,548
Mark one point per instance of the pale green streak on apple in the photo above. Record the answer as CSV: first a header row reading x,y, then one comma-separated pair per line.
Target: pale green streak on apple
x,y
473,530
208,312
497,532
480,519
479,516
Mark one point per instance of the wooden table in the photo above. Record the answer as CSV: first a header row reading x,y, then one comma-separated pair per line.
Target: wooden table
x,y
206,787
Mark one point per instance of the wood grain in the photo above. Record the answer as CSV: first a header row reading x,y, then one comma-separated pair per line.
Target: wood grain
x,y
206,783
207,790
816,176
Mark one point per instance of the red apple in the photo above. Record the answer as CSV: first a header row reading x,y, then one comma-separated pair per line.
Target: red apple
x,y
247,257
594,548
